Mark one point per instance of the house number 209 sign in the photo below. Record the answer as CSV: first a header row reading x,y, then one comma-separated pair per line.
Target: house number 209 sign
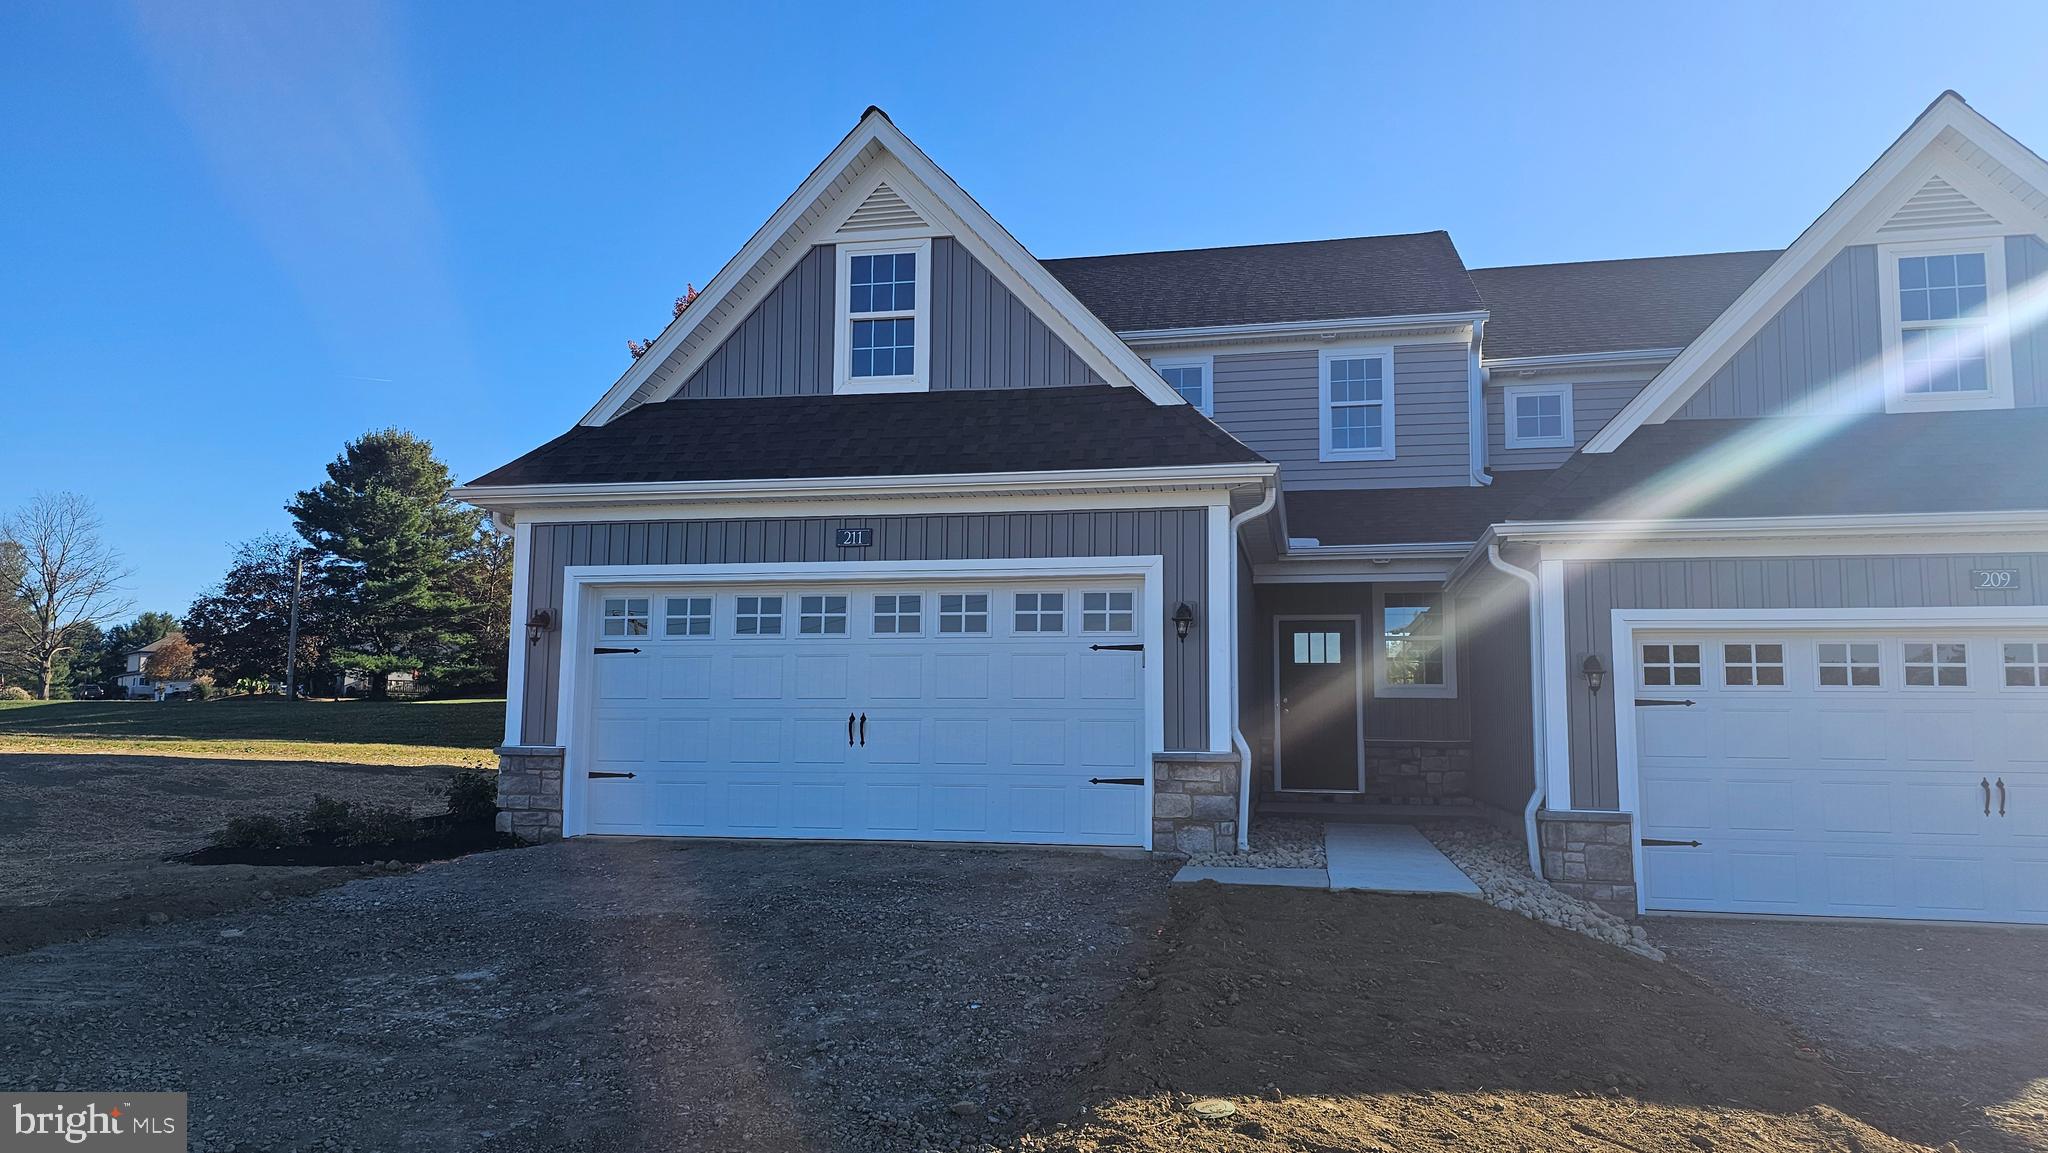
x,y
856,537
1998,580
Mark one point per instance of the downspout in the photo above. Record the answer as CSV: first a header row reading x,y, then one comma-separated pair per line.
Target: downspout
x,y
1540,751
1475,408
1244,748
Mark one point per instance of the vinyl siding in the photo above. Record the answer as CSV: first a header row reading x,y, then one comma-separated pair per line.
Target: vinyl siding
x,y
1493,677
982,335
1594,588
1177,535
1269,400
2026,260
1593,405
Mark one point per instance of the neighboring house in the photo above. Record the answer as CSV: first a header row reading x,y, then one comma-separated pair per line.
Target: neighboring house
x,y
1730,571
137,684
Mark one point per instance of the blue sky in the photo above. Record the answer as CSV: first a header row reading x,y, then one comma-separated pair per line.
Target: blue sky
x,y
233,236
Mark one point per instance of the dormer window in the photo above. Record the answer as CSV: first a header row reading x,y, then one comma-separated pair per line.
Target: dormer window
x,y
1189,376
1538,415
884,335
1943,345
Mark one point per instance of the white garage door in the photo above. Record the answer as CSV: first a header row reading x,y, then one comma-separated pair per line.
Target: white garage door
x,y
1879,774
899,712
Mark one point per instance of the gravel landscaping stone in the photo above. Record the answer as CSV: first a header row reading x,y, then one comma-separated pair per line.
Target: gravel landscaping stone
x,y
1277,843
1499,864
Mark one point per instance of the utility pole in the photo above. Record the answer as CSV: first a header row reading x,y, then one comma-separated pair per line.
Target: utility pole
x,y
291,651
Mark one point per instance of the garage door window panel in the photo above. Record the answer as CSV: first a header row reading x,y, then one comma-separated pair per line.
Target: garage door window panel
x,y
1849,665
687,616
1041,613
1671,665
2026,664
757,616
1753,665
963,614
1936,664
821,615
1108,611
625,617
899,615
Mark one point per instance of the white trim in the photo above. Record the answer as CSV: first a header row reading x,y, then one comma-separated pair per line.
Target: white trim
x,y
1557,701
1215,624
1515,392
1626,623
1864,205
1380,688
515,655
581,582
920,379
1777,528
949,210
1997,343
1017,484
1385,355
1353,326
1205,362
1358,674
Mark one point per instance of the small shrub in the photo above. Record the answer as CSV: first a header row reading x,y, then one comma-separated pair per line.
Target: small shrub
x,y
328,821
260,831
379,825
15,693
473,797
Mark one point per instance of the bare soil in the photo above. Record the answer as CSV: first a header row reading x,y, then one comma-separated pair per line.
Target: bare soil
x,y
83,838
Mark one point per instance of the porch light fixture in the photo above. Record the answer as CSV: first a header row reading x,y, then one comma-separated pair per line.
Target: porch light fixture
x,y
1594,671
1183,620
538,624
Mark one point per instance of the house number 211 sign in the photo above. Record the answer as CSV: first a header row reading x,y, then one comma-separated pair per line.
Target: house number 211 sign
x,y
856,537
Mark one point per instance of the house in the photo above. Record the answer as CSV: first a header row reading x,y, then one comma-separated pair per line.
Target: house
x,y
136,684
1726,575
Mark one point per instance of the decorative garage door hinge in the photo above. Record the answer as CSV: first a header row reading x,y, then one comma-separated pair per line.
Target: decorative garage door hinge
x,y
1681,844
1116,780
601,650
1645,702
595,774
1116,648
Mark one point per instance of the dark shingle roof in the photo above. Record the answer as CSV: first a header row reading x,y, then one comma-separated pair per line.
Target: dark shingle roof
x,y
1260,283
1611,305
903,434
1990,461
1408,515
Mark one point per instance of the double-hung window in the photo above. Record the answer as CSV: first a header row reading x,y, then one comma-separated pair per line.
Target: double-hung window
x,y
1189,376
884,336
1357,403
1538,415
1943,343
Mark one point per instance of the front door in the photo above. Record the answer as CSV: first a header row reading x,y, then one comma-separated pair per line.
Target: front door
x,y
1319,726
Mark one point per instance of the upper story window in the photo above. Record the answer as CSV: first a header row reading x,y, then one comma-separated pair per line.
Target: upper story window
x,y
1357,399
1538,415
884,334
1943,345
1190,377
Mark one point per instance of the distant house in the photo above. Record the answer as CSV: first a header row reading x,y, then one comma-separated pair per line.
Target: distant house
x,y
138,685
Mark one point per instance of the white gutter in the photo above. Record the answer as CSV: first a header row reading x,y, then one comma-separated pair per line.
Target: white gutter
x,y
1431,550
1475,409
1244,748
1539,747
1581,359
1300,327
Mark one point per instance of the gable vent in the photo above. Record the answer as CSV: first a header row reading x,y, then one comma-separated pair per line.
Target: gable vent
x,y
1937,205
883,209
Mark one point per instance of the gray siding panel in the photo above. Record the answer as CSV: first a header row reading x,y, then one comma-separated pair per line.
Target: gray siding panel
x,y
2026,261
1593,589
1493,677
982,335
1269,400
1593,405
1823,335
1178,535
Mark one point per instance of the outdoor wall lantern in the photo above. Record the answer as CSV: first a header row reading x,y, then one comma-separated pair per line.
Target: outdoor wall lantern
x,y
538,624
1594,671
1183,620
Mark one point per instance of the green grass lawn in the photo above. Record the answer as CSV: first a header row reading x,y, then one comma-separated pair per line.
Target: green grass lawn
x,y
263,728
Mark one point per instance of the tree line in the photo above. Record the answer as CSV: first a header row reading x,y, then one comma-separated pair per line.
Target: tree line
x,y
397,578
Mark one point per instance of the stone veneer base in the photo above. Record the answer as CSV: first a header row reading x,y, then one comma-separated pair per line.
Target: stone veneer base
x,y
1591,856
530,792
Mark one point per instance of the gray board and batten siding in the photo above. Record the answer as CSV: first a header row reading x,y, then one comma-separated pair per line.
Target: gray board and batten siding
x,y
1829,332
1179,535
1593,589
1492,616
982,336
1271,402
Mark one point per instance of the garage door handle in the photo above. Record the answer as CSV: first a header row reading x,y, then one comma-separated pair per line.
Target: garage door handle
x,y
1116,780
863,730
1654,841
849,729
2001,796
601,650
1986,784
1116,648
596,775
1646,702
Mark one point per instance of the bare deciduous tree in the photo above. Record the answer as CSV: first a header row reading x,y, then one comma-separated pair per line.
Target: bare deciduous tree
x,y
67,578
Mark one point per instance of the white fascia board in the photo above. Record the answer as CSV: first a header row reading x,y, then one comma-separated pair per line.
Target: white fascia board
x,y
857,488
1776,528
1347,327
1565,361
1817,245
1430,549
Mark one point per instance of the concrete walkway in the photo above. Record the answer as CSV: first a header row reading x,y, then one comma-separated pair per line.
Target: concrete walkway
x,y
1390,859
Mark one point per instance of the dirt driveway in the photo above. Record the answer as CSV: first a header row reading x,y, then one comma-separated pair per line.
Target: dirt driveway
x,y
83,837
1947,1024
